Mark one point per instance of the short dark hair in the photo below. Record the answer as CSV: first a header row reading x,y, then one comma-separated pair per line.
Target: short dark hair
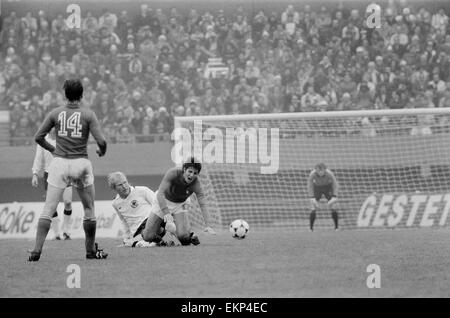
x,y
73,90
320,166
192,162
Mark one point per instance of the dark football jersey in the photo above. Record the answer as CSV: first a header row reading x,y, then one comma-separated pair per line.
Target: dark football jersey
x,y
177,190
316,182
72,128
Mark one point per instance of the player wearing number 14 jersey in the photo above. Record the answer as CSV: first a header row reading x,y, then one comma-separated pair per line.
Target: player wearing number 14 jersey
x,y
70,164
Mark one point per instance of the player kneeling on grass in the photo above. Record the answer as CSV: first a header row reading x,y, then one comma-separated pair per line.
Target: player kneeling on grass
x,y
172,196
322,182
133,206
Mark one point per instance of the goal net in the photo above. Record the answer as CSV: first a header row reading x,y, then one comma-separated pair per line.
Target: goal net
x,y
392,166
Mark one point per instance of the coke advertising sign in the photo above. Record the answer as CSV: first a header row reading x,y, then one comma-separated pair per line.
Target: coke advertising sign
x,y
19,219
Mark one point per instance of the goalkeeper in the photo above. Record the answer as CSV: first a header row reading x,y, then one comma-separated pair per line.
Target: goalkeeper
x,y
322,182
133,206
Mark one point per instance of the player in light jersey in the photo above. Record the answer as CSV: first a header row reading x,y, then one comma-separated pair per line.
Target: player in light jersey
x,y
133,206
42,159
173,194
70,165
322,182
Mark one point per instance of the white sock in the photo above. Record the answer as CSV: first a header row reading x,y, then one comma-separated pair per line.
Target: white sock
x,y
55,226
66,223
145,244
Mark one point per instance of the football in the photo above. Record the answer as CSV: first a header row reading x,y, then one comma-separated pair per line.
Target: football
x,y
239,229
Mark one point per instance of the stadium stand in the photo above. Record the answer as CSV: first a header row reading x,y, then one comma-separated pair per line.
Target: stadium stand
x,y
143,66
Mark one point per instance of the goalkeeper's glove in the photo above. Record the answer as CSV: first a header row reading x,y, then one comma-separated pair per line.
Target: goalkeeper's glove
x,y
333,200
314,202
209,230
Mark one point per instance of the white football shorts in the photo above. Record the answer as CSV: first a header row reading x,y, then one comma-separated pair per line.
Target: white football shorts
x,y
64,172
174,207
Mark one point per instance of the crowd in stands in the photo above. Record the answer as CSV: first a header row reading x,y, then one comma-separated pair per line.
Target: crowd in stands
x,y
140,71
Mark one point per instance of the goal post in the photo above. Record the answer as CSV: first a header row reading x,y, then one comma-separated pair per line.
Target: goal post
x,y
392,166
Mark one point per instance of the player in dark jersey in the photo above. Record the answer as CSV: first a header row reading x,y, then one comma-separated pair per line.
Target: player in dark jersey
x,y
70,164
322,182
173,198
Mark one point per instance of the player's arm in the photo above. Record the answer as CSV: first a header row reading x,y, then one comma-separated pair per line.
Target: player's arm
x,y
45,128
38,161
334,187
201,198
126,227
150,197
310,187
94,128
163,187
38,164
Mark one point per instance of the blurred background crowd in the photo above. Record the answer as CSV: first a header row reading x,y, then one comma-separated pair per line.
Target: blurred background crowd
x,y
139,71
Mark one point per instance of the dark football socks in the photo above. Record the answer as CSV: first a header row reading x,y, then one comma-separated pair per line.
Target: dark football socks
x,y
89,230
42,231
312,218
335,217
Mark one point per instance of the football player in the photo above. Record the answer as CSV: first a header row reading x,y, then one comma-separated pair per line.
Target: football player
x,y
73,124
322,182
173,194
133,206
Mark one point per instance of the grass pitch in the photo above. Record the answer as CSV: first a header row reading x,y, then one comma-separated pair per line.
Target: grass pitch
x,y
413,263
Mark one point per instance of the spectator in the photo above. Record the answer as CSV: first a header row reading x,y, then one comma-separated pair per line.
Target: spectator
x,y
347,85
367,130
124,136
290,60
310,99
23,132
346,103
439,20
423,128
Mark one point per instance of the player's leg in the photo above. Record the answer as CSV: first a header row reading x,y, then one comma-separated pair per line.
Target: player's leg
x,y
55,220
67,218
183,229
87,195
55,184
82,168
152,230
55,225
51,202
332,204
314,204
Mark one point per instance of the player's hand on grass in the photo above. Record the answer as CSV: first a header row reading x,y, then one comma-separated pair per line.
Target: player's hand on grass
x,y
210,230
34,181
128,241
